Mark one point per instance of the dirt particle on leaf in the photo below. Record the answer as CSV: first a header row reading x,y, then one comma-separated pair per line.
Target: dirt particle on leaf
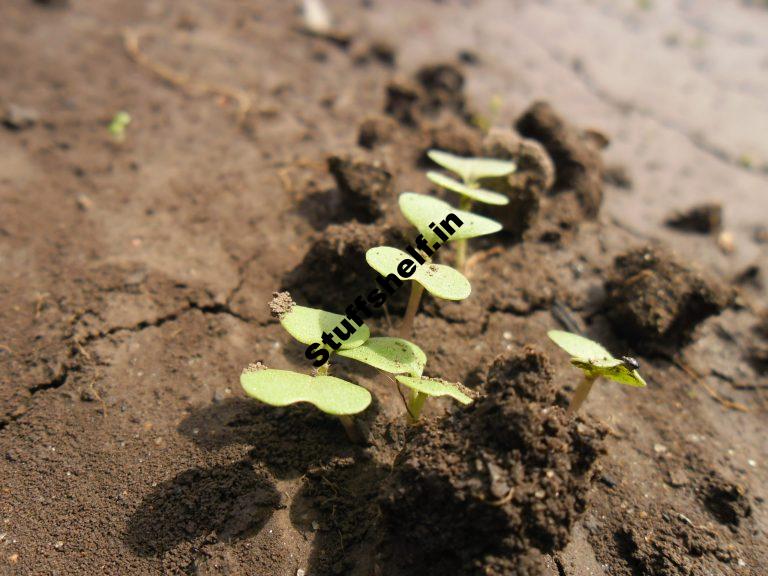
x,y
655,300
281,304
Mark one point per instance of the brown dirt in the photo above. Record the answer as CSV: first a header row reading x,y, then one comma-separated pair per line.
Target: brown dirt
x,y
136,277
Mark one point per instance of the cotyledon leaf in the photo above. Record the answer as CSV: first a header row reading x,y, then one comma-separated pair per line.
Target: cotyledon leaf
x,y
421,211
472,169
477,194
393,355
282,387
436,387
308,324
438,279
578,346
595,360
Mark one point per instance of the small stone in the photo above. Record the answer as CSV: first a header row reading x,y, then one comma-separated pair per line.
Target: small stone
x,y
741,563
18,118
13,558
659,448
752,463
315,526
540,494
677,478
218,396
608,480
507,335
58,545
300,572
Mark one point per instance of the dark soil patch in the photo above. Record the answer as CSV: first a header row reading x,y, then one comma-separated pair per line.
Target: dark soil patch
x,y
656,301
507,475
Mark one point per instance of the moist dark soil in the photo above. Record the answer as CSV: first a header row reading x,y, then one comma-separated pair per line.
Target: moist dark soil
x,y
136,285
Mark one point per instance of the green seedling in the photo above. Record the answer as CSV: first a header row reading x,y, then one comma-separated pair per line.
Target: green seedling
x,y
438,279
422,387
595,361
327,393
422,210
118,125
471,171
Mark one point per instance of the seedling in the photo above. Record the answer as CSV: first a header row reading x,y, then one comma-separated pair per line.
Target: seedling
x,y
422,387
471,171
118,125
595,361
437,279
406,361
327,393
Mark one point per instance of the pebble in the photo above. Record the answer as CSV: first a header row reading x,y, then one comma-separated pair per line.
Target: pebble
x,y
507,335
752,463
19,118
58,545
300,572
659,448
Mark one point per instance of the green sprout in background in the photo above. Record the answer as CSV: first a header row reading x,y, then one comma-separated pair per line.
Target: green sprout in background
x,y
595,361
471,171
118,125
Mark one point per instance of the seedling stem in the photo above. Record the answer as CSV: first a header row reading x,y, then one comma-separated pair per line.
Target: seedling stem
x,y
415,405
352,432
581,393
461,245
413,306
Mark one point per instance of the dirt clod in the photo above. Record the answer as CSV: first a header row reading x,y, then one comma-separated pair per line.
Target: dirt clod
x,y
18,118
334,270
654,300
375,131
726,501
402,101
444,87
454,136
704,218
578,163
441,508
365,185
281,304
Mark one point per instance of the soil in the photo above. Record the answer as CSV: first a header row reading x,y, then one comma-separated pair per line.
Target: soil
x,y
136,279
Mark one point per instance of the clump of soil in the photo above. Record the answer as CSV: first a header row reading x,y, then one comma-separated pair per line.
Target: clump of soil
x,y
375,131
670,546
704,218
506,476
443,85
454,136
402,101
656,301
365,185
437,87
534,176
577,158
726,501
334,270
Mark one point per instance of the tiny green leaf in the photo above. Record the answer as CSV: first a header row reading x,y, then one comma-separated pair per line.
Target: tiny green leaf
x,y
472,169
578,346
393,355
595,360
436,387
438,279
308,324
421,211
477,194
282,387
